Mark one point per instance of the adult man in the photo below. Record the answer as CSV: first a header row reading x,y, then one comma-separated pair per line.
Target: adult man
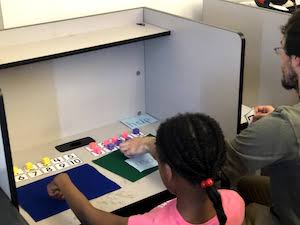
x,y
272,141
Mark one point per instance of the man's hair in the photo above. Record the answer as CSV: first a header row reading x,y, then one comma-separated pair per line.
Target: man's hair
x,y
193,145
291,33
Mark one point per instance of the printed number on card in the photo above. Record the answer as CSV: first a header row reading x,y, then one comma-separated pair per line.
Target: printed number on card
x,y
35,173
74,161
70,156
48,169
21,178
62,165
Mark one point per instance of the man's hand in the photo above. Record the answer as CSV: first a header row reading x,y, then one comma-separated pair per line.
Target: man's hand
x,y
261,111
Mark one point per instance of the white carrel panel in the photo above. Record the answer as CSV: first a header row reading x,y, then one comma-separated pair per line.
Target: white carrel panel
x,y
55,98
31,106
67,28
196,69
99,87
1,18
261,28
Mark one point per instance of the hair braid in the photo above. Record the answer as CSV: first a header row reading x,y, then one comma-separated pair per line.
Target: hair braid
x,y
215,198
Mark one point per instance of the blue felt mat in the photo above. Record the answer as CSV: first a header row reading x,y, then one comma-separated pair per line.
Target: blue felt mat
x,y
34,198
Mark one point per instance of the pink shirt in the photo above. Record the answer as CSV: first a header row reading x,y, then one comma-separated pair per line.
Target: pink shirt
x,y
167,214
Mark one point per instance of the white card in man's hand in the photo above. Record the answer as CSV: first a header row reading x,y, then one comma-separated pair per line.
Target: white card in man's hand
x,y
142,162
249,116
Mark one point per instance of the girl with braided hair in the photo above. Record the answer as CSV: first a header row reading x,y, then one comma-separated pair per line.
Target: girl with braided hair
x,y
190,151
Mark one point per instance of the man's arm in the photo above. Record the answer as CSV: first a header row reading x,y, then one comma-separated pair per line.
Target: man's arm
x,y
234,168
63,188
263,143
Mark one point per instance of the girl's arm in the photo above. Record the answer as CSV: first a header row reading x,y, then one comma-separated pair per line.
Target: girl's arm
x,y
63,188
139,145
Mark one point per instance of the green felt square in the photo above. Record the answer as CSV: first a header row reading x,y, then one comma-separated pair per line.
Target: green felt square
x,y
115,162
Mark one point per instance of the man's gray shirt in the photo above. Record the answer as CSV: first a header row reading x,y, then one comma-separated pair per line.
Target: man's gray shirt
x,y
272,141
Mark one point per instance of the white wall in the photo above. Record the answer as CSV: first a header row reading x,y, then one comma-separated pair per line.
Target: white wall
x,y
187,8
19,12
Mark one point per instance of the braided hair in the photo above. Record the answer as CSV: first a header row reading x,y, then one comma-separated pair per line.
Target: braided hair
x,y
193,145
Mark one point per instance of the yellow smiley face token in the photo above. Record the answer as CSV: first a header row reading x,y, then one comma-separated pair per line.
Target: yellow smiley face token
x,y
16,170
46,161
29,166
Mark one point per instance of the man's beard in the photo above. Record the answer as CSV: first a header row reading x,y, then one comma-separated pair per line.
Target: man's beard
x,y
290,79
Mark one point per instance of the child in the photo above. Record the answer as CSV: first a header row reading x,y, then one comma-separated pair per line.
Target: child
x,y
190,152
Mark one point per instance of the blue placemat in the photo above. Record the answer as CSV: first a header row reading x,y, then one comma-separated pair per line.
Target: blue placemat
x,y
34,199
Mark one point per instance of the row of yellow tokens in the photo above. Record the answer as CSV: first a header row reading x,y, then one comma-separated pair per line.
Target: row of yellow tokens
x,y
29,165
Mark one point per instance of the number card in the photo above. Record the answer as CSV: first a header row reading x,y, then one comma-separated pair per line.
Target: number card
x,y
62,165
70,156
35,173
57,160
249,116
21,178
74,161
48,169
